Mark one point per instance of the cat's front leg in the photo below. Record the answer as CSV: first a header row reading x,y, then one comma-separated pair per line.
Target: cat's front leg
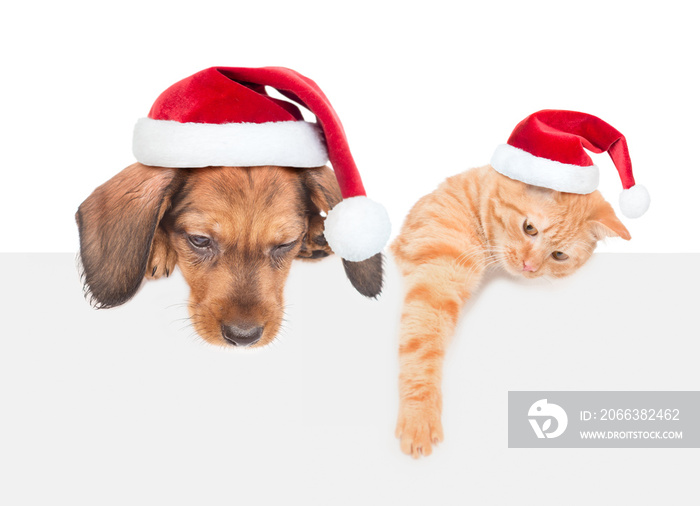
x,y
435,294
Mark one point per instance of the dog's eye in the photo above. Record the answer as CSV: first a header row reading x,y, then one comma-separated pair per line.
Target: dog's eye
x,y
279,253
199,241
283,248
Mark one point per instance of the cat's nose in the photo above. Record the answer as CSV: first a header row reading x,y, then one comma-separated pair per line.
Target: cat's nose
x,y
529,266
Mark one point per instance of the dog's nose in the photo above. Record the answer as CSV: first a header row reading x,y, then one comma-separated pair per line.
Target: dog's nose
x,y
241,334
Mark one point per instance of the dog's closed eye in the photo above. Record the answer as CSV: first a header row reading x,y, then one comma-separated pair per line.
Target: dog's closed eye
x,y
281,252
281,249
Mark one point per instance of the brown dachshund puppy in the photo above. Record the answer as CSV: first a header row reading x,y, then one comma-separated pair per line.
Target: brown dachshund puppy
x,y
232,231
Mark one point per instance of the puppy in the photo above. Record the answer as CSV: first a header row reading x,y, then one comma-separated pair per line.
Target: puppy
x,y
232,231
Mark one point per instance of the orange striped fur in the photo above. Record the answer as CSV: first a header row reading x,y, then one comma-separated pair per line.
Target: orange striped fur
x,y
473,221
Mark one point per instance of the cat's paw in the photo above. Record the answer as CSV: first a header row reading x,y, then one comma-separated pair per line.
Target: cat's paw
x,y
419,427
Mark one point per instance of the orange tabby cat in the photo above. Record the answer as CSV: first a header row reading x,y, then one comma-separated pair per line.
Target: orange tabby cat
x,y
474,220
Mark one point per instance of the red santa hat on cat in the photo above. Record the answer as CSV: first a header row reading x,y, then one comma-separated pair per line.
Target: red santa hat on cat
x,y
224,116
547,149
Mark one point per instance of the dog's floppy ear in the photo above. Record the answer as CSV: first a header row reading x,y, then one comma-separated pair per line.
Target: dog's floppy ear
x,y
323,194
117,225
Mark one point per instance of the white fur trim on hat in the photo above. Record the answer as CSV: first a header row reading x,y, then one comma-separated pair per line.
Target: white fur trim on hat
x,y
523,166
357,228
179,145
634,201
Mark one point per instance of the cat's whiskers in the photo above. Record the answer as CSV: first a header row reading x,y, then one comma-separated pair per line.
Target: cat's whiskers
x,y
483,265
497,254
496,260
478,258
470,254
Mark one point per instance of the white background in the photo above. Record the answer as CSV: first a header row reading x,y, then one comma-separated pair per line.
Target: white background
x,y
128,407
425,90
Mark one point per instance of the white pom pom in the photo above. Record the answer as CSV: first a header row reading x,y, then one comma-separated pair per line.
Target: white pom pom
x,y
357,228
634,201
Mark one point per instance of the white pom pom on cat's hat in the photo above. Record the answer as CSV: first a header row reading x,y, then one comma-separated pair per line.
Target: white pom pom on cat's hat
x,y
634,201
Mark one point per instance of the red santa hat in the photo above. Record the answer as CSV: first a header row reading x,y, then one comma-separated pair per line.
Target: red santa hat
x,y
546,149
224,116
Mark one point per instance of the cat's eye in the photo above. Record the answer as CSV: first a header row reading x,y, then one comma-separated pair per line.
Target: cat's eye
x,y
199,241
529,229
558,255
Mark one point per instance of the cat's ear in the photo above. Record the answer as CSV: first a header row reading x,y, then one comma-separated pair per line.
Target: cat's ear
x,y
606,224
